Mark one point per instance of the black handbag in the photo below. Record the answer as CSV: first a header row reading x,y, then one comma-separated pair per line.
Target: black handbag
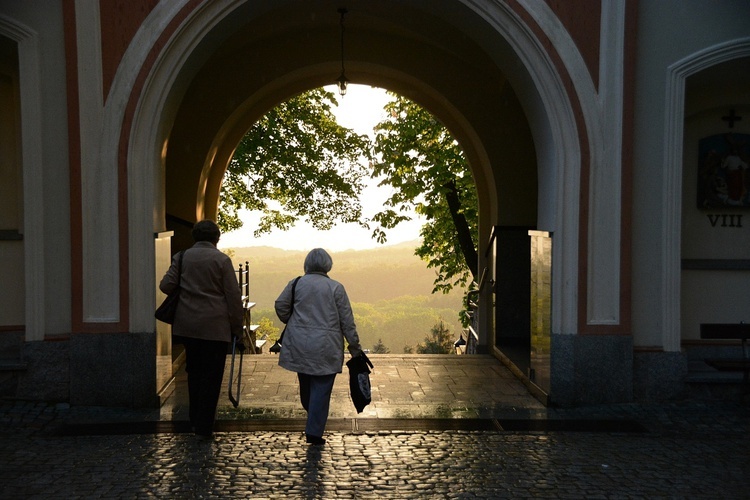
x,y
166,311
276,347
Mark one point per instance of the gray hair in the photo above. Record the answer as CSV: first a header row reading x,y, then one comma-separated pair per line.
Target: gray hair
x,y
318,261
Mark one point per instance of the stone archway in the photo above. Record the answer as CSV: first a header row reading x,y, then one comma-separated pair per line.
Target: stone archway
x,y
671,268
28,122
184,104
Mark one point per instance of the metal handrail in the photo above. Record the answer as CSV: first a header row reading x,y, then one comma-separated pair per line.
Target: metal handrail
x,y
472,305
472,301
243,278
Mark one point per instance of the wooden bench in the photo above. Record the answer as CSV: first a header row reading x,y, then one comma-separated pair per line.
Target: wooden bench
x,y
729,331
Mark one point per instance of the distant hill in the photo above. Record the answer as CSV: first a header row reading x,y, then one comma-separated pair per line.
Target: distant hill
x,y
389,287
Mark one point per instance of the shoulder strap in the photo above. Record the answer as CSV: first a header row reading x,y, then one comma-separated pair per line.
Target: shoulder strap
x,y
179,268
294,285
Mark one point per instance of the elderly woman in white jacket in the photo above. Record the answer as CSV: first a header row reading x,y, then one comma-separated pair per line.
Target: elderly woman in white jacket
x,y
313,347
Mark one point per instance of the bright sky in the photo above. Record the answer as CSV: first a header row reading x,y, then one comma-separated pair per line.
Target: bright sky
x,y
360,109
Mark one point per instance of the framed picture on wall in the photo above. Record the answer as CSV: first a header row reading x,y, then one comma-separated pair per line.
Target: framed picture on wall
x,y
723,175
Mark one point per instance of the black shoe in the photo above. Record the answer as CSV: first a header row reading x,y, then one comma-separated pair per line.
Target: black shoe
x,y
315,440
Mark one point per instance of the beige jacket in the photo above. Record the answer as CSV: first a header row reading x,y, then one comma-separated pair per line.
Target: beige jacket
x,y
210,305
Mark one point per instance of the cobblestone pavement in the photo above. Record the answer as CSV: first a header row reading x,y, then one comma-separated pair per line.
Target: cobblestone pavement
x,y
687,449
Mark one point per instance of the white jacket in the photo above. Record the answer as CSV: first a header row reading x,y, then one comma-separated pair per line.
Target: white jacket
x,y
322,317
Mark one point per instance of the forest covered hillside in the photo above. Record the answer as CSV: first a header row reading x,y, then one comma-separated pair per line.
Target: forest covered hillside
x,y
390,289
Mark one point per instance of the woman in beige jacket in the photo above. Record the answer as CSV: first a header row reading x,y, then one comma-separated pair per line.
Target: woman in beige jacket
x,y
316,325
209,315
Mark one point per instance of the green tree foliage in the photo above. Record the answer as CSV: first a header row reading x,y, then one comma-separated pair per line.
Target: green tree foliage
x,y
296,163
399,322
266,329
438,342
417,156
380,348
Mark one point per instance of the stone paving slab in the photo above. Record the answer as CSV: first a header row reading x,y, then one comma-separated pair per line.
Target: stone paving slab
x,y
402,386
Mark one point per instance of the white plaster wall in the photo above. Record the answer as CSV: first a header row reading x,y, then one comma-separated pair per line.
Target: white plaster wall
x,y
46,181
151,124
99,183
668,31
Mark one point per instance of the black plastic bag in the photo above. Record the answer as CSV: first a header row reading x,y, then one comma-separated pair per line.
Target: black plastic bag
x,y
359,381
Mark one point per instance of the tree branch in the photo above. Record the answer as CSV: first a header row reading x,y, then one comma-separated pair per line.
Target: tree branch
x,y
463,232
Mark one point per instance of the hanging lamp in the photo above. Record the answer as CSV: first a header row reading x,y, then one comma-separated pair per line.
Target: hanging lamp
x,y
342,81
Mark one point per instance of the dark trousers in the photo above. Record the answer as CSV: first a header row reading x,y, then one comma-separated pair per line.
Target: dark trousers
x,y
315,394
204,364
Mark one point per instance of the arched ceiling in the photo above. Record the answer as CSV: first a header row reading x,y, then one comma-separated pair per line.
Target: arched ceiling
x,y
441,56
